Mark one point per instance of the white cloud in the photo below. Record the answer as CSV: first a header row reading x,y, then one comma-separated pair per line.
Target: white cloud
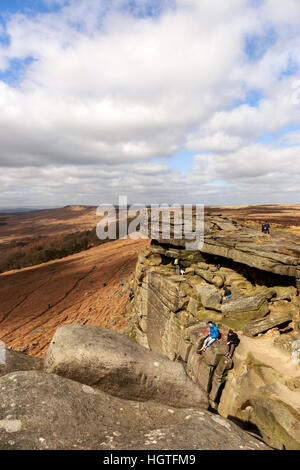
x,y
107,91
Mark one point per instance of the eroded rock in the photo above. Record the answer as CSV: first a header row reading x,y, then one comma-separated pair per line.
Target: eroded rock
x,y
40,411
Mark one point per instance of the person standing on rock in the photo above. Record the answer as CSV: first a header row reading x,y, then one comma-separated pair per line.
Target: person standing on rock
x,y
176,264
232,342
213,335
265,228
178,268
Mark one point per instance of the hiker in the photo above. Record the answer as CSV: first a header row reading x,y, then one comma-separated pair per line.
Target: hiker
x,y
232,342
213,335
226,294
265,228
131,293
178,267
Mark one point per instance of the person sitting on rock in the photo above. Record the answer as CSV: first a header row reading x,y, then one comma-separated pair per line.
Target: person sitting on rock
x,y
226,293
213,335
232,342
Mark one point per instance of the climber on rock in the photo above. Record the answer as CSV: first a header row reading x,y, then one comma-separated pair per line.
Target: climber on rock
x,y
178,267
232,342
226,293
212,337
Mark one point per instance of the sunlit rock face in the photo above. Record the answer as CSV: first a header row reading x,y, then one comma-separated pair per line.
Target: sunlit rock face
x,y
170,313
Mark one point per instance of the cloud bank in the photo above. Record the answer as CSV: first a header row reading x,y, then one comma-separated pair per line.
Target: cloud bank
x,y
97,97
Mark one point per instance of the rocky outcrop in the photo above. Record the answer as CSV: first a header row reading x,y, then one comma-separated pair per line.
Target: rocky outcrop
x,y
40,411
170,311
278,254
111,362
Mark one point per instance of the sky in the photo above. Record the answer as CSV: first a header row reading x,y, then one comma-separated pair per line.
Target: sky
x,y
161,101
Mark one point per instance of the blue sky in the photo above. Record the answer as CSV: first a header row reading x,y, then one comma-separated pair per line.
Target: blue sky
x,y
159,99
27,6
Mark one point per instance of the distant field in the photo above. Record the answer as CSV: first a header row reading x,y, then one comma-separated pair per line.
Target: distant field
x,y
281,217
31,238
282,214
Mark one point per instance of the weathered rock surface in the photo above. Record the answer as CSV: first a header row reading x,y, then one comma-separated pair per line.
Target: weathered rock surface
x,y
40,411
255,394
16,361
259,326
210,296
108,361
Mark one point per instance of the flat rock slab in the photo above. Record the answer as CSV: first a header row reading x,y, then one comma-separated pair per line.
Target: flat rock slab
x,y
260,326
115,364
247,306
40,411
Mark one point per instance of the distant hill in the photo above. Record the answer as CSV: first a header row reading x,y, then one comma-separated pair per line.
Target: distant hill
x,y
16,210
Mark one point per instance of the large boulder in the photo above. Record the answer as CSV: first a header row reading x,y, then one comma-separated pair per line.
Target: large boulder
x,y
40,411
113,363
16,360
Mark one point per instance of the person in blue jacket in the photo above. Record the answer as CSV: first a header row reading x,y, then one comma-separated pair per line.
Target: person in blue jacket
x,y
213,335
